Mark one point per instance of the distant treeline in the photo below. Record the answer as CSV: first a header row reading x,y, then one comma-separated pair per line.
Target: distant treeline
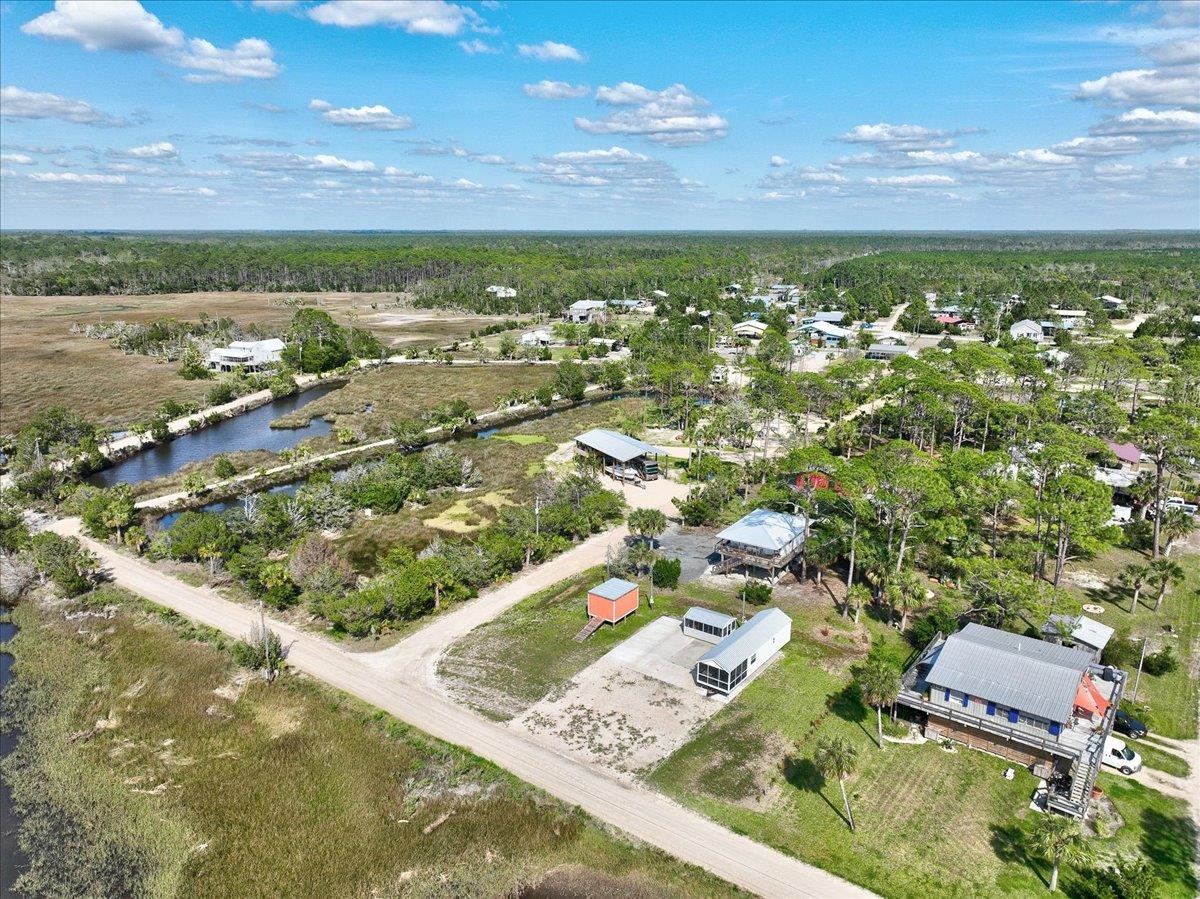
x,y
548,270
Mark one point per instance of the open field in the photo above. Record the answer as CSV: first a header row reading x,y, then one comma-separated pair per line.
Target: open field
x,y
162,769
405,391
42,363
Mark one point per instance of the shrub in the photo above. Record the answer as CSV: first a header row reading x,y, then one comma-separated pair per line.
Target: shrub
x,y
1121,652
666,573
757,593
223,468
1162,662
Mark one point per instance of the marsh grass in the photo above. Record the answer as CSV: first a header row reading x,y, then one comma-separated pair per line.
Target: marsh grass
x,y
289,789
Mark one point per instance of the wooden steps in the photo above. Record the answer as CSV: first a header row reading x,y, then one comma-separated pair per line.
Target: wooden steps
x,y
590,628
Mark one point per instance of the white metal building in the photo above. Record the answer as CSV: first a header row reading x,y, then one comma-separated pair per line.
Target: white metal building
x,y
707,625
763,539
584,312
251,355
724,667
622,457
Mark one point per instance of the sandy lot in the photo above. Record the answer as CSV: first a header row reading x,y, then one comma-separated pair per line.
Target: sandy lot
x,y
631,708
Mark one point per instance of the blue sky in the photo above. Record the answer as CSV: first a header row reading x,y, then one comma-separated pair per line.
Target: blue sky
x,y
416,114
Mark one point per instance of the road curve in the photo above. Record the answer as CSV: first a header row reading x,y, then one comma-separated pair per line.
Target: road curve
x,y
394,683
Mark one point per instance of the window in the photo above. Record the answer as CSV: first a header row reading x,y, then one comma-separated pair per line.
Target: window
x,y
991,708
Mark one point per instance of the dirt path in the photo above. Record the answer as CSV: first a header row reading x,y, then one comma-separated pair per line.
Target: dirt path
x,y
392,686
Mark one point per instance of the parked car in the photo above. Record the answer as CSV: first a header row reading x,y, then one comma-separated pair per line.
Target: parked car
x,y
1118,755
1129,726
1178,502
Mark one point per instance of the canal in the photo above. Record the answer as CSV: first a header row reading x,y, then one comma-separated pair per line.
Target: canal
x,y
248,431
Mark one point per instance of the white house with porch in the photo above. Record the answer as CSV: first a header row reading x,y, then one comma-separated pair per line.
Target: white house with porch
x,y
584,312
251,355
764,540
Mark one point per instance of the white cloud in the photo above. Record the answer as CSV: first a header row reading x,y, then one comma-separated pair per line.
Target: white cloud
x,y
898,137
435,17
551,51
126,26
912,181
778,162
673,116
1181,52
1179,13
15,159
275,5
1115,145
263,161
1144,121
121,25
556,90
618,172
75,178
453,148
475,47
362,118
161,150
1150,87
249,58
16,103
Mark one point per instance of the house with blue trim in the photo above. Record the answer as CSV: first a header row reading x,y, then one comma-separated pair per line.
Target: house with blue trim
x,y
1042,704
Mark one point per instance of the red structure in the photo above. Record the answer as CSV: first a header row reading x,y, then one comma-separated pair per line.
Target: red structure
x,y
613,600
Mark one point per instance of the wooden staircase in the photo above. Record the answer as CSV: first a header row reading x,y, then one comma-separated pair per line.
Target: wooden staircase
x,y
590,628
726,565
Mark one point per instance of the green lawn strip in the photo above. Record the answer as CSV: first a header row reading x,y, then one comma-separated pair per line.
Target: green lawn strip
x,y
292,785
1161,760
521,439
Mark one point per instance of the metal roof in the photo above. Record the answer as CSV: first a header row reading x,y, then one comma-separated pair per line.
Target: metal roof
x,y
707,616
1079,628
583,305
835,317
827,328
614,444
613,588
747,639
765,529
1024,673
888,349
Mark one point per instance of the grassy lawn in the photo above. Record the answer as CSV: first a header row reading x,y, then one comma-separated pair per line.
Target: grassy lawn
x,y
1161,759
1171,699
929,822
149,767
405,391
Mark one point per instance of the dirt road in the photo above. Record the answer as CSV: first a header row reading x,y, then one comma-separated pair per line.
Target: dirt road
x,y
397,683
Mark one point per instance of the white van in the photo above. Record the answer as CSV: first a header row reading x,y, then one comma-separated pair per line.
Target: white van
x,y
1118,755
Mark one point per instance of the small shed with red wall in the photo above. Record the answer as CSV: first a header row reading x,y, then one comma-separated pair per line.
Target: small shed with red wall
x,y
613,600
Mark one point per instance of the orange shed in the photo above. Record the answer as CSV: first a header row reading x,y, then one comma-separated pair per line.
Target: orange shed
x,y
613,600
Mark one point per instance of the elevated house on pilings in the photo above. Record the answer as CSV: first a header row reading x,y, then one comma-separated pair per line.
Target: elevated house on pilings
x,y
1041,704
762,544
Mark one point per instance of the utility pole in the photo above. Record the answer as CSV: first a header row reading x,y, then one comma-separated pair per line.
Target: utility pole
x,y
266,638
1137,680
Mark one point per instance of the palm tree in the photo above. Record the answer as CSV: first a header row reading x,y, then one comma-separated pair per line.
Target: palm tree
x,y
1163,573
1059,839
1134,576
906,593
857,596
647,523
879,682
837,757
1176,523
642,556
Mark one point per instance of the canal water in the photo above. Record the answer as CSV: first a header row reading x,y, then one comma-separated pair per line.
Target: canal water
x,y
226,504
12,861
247,431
